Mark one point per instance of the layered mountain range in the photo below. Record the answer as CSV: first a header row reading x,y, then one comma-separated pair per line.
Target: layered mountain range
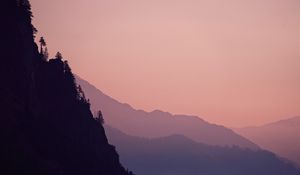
x,y
177,155
161,143
158,123
281,137
47,125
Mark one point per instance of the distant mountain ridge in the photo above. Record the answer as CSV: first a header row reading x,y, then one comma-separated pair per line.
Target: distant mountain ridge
x,y
178,155
159,124
294,121
281,137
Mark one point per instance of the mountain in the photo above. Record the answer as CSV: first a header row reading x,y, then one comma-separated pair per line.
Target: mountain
x,y
177,155
158,123
46,126
281,137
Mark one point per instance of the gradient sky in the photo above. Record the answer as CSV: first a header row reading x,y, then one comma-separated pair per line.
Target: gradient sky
x,y
233,62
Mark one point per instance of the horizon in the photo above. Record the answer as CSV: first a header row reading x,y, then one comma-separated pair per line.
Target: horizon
x,y
160,110
246,74
103,86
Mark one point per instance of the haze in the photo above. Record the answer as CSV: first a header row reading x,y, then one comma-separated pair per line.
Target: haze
x,y
234,62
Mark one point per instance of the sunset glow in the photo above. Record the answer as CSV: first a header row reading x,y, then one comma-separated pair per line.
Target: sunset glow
x,y
235,63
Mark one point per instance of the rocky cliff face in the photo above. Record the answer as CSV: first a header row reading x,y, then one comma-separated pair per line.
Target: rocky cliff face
x,y
46,126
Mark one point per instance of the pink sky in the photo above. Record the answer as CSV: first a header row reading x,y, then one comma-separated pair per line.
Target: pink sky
x,y
234,62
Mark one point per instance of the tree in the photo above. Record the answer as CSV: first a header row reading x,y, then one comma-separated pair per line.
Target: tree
x,y
80,94
58,56
69,77
25,14
46,54
99,117
42,44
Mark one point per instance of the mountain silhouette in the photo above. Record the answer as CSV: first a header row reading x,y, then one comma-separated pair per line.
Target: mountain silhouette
x,y
281,137
177,155
159,124
46,126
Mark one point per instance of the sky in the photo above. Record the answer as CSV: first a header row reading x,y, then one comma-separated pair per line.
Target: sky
x,y
230,62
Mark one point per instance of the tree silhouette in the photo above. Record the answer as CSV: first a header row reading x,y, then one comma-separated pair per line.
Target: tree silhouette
x,y
25,14
99,117
80,94
42,44
46,54
69,77
58,56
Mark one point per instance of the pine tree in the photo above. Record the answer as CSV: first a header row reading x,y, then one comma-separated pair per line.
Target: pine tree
x,y
80,94
99,117
42,44
46,54
69,77
25,14
58,56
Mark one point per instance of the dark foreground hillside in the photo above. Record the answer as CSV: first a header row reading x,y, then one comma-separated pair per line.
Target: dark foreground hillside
x,y
46,126
179,155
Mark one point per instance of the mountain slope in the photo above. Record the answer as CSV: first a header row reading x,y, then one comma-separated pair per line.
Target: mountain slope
x,y
280,137
158,123
46,126
177,155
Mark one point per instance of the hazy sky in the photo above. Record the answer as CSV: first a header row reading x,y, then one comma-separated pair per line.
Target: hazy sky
x,y
232,62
